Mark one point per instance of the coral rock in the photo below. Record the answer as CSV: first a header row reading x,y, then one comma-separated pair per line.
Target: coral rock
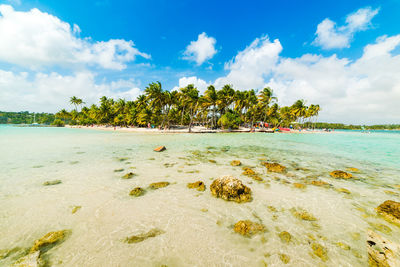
x,y
284,258
137,192
351,169
390,210
248,228
31,260
300,186
340,175
199,185
382,252
285,237
48,239
160,149
158,185
274,167
230,189
236,163
248,171
320,251
303,215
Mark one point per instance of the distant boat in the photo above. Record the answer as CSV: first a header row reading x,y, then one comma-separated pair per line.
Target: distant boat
x,y
34,123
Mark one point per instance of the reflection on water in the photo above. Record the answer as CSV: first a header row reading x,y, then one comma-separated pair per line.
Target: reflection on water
x,y
309,218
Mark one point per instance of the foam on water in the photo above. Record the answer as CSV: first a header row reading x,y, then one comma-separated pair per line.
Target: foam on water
x,y
198,227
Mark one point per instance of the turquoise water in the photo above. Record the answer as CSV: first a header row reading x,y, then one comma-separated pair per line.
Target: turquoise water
x,y
197,227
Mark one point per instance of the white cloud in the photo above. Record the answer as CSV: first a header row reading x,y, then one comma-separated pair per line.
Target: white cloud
x,y
330,36
201,50
200,84
35,39
51,92
250,66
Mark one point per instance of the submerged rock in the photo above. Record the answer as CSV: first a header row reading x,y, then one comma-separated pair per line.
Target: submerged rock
x,y
285,237
236,163
248,228
274,167
381,251
160,149
248,171
199,185
137,192
284,258
31,260
48,240
390,210
320,251
300,186
303,214
341,174
320,183
53,182
343,190
141,237
158,185
75,209
230,189
212,161
129,175
119,170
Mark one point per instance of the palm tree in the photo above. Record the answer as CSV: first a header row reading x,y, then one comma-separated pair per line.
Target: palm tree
x,y
210,100
265,97
190,100
225,97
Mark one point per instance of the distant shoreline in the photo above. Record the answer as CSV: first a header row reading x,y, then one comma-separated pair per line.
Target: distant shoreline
x,y
196,129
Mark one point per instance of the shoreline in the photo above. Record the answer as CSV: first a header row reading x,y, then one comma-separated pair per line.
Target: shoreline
x,y
195,130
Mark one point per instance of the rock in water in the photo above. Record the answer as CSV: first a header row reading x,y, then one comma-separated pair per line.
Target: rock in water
x,y
382,252
129,175
274,167
248,228
137,192
158,185
141,237
31,260
160,149
230,189
48,239
340,174
390,210
199,185
236,163
54,182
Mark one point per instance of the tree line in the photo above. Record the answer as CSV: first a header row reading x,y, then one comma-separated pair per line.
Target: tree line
x,y
225,108
25,117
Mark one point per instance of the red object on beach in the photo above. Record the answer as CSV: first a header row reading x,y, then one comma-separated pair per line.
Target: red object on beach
x,y
160,149
284,129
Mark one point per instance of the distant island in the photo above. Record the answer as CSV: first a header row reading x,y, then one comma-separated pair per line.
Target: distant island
x,y
157,108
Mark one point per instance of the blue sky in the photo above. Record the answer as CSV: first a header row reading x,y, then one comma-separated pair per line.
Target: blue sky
x,y
316,50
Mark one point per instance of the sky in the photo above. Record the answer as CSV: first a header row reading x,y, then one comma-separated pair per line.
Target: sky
x,y
342,55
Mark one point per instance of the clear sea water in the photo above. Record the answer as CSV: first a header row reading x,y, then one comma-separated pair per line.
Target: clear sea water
x,y
198,228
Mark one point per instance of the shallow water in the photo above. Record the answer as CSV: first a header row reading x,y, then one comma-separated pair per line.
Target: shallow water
x,y
197,228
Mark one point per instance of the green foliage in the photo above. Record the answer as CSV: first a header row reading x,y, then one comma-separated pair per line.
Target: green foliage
x,y
25,117
58,123
230,120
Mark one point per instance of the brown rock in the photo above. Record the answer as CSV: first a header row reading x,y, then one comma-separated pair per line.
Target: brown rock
x,y
158,185
248,171
298,185
248,228
320,251
319,183
160,149
390,210
199,185
340,174
285,237
141,237
274,167
381,251
351,169
230,189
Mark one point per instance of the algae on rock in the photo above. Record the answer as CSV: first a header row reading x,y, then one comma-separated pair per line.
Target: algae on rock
x,y
390,210
158,185
248,228
49,239
230,189
129,175
341,175
53,182
274,167
199,185
141,237
137,192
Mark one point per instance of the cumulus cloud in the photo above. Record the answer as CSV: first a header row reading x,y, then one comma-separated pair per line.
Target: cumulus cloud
x,y
250,66
50,92
200,84
362,91
36,39
330,36
201,50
